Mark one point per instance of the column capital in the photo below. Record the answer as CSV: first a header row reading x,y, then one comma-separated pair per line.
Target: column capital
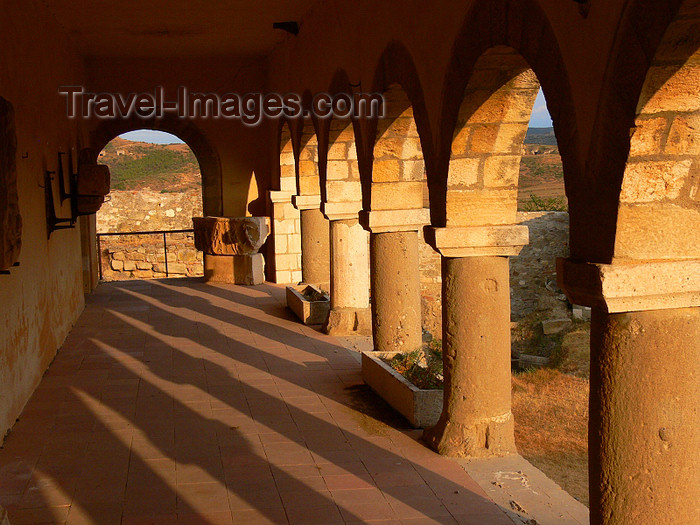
x,y
384,221
306,202
280,196
478,241
631,286
341,211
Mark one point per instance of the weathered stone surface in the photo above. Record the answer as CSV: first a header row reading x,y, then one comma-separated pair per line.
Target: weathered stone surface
x,y
554,326
230,236
145,209
235,269
395,280
10,219
476,420
631,286
644,402
93,179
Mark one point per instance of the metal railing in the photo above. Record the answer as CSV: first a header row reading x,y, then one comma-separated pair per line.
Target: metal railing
x,y
164,233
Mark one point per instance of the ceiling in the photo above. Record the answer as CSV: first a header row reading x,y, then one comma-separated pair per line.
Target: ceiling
x,y
175,28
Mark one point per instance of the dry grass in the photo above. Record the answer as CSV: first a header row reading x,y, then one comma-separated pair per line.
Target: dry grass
x,y
551,426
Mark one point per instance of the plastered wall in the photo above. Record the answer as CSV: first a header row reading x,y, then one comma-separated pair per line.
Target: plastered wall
x,y
43,297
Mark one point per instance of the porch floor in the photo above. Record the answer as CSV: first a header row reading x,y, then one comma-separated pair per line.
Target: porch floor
x,y
172,401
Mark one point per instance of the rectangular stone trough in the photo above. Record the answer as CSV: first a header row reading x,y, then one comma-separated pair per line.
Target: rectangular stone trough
x,y
308,303
421,407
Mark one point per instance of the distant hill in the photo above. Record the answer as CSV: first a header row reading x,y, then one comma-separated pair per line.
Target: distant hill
x,y
543,136
160,167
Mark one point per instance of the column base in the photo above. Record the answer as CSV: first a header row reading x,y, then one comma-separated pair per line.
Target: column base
x,y
484,438
234,269
349,321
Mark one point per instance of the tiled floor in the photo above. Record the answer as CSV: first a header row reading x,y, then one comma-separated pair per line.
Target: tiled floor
x,y
178,402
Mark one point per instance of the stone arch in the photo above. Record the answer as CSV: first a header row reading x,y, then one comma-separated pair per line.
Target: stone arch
x,y
400,143
10,218
659,204
641,29
339,146
308,182
206,154
523,26
482,181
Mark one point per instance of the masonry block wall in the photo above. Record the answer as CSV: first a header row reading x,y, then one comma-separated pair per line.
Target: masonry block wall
x,y
661,185
286,221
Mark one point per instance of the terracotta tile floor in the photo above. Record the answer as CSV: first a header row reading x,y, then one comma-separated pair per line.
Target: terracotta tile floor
x,y
176,402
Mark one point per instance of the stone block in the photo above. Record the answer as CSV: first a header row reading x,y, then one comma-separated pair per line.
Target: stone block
x,y
501,170
554,326
93,179
386,171
472,208
337,170
684,136
581,313
499,240
177,268
647,137
654,181
678,95
397,195
129,266
343,191
464,172
117,265
230,236
235,269
144,265
631,286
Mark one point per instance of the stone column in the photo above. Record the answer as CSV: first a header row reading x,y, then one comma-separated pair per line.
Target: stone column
x,y
395,277
644,443
349,279
476,419
315,242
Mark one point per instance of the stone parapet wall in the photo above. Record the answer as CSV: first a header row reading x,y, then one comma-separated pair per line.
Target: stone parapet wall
x,y
126,257
145,210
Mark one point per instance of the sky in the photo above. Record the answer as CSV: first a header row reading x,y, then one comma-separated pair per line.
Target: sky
x,y
152,136
540,119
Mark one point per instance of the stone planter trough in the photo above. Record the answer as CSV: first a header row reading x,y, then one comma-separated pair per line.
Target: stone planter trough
x,y
421,407
308,303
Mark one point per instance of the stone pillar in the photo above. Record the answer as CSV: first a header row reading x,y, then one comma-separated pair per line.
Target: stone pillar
x,y
349,279
395,277
315,242
643,442
476,419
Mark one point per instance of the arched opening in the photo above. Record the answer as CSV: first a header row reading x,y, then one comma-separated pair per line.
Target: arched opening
x,y
156,186
521,316
284,265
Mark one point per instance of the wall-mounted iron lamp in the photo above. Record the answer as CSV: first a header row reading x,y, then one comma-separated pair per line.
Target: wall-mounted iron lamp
x,y
584,6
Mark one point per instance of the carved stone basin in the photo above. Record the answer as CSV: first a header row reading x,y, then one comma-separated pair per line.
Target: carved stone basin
x,y
230,246
230,235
